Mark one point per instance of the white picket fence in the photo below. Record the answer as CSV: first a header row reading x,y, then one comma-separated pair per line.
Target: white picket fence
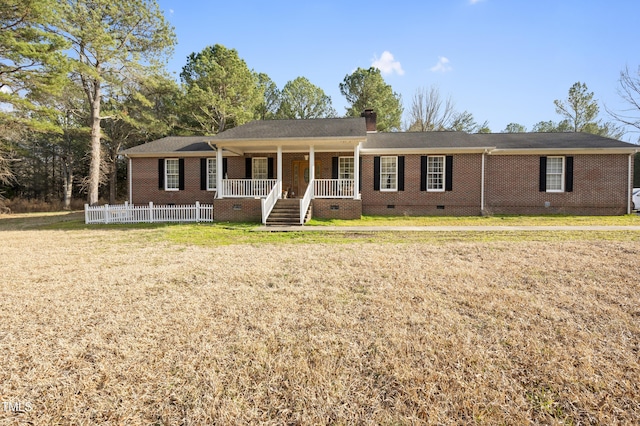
x,y
129,213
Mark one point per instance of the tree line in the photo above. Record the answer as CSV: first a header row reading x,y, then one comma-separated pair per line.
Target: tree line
x,y
80,80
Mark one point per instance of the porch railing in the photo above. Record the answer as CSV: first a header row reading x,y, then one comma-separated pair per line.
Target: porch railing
x,y
150,213
247,188
334,188
305,201
270,201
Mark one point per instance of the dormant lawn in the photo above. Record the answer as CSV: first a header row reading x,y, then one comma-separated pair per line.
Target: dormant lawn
x,y
204,324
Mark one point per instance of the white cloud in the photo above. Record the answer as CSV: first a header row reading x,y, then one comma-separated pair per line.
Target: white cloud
x,y
475,1
386,64
170,11
442,65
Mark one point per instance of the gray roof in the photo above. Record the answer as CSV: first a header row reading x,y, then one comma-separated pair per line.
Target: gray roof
x,y
548,140
173,144
422,140
312,128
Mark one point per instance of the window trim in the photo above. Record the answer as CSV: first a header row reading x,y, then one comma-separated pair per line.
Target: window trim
x,y
382,188
443,173
212,186
253,167
166,174
340,168
562,174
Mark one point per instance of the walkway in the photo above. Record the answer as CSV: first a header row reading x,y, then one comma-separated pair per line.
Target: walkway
x,y
443,228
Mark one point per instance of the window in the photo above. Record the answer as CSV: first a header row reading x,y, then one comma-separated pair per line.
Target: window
x,y
435,173
211,174
260,169
555,174
171,174
345,168
388,173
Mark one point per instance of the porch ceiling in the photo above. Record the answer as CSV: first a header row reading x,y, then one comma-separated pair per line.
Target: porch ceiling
x,y
239,147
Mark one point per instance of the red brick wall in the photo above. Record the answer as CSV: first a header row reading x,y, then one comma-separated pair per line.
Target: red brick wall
x,y
325,208
237,210
145,184
599,186
464,199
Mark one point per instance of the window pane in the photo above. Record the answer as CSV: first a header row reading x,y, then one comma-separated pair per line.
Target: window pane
x,y
555,173
435,173
211,173
345,168
260,168
388,172
172,170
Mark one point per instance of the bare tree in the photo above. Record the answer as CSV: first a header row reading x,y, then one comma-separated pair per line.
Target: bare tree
x,y
629,91
430,111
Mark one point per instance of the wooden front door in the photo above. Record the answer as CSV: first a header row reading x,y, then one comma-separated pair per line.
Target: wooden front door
x,y
300,176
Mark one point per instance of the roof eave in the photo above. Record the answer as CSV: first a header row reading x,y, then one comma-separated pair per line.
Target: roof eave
x,y
426,150
560,151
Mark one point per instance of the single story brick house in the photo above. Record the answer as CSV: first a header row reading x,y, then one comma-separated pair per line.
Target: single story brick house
x,y
343,168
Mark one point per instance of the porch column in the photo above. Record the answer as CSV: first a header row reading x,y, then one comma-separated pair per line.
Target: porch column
x,y
312,168
356,172
279,168
219,171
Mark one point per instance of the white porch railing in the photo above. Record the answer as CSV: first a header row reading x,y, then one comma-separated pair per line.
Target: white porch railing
x,y
247,188
129,213
270,201
305,201
334,188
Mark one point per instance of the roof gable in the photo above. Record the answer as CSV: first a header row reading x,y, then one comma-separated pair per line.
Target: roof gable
x,y
311,128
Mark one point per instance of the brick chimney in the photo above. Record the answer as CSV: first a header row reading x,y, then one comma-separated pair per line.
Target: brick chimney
x,y
370,119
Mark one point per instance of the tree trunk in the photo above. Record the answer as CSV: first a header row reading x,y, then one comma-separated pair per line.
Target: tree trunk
x,y
94,169
113,179
67,184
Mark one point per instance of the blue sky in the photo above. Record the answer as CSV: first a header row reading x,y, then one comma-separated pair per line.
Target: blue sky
x,y
502,60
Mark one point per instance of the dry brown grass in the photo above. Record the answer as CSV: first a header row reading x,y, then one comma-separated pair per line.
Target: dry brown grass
x,y
98,327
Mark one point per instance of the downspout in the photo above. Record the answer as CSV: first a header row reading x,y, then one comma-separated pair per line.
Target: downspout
x,y
630,185
130,171
482,184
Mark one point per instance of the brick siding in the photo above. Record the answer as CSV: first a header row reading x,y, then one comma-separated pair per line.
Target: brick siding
x,y
145,184
463,199
511,187
600,186
237,210
338,208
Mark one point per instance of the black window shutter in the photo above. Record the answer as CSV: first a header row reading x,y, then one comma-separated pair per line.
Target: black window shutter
x,y
181,174
448,178
224,168
401,173
568,174
360,175
161,173
423,173
334,167
376,173
543,174
270,168
203,174
247,168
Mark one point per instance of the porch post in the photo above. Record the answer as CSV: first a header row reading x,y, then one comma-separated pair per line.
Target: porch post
x,y
219,171
279,169
356,172
312,168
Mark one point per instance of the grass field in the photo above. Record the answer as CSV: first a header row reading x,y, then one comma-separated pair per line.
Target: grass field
x,y
215,324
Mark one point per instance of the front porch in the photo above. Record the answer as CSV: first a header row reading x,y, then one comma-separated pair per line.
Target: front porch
x,y
255,179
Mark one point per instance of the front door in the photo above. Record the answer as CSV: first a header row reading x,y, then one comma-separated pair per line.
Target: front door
x,y
300,176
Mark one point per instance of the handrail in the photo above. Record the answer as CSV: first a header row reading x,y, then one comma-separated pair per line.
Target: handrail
x,y
244,188
305,201
271,200
334,188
